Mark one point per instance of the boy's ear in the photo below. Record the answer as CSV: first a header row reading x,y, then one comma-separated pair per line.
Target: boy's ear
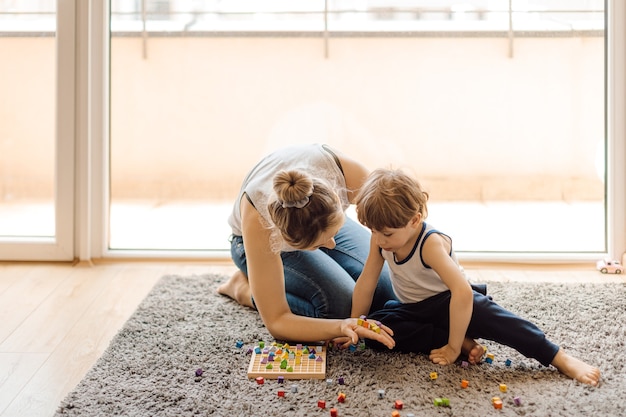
x,y
416,220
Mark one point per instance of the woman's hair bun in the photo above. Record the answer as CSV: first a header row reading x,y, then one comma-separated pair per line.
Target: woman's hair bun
x,y
293,188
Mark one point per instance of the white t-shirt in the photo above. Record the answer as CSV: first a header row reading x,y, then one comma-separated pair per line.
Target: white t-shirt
x,y
316,159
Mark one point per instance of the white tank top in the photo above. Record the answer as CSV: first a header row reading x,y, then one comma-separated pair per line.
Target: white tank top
x,y
411,278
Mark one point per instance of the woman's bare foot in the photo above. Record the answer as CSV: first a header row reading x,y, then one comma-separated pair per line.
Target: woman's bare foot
x,y
576,369
473,350
237,288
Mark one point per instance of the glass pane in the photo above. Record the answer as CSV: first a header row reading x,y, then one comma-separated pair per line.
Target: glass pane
x,y
27,118
499,112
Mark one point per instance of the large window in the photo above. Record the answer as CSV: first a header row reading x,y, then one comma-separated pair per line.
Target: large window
x,y
36,129
126,127
498,107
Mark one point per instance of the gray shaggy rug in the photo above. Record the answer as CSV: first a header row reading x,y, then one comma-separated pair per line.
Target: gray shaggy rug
x,y
183,325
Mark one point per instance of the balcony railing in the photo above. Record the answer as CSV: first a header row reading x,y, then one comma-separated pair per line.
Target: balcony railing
x,y
315,17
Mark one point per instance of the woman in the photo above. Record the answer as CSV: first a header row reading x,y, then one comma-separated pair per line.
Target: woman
x,y
297,252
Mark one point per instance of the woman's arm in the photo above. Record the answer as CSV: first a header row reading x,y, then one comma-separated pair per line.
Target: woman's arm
x,y
267,285
436,254
366,284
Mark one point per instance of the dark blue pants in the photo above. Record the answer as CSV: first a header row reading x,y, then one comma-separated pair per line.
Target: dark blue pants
x,y
423,326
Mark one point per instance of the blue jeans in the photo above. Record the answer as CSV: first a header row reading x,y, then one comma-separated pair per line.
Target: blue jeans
x,y
319,283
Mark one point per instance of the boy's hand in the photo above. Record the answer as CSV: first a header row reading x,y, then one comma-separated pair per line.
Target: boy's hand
x,y
445,355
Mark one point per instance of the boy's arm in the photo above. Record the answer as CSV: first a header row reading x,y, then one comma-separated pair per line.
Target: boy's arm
x,y
367,281
436,254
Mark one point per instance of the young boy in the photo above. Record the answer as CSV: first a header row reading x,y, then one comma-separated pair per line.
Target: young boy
x,y
439,313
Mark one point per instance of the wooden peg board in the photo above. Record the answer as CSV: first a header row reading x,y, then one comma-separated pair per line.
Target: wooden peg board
x,y
307,368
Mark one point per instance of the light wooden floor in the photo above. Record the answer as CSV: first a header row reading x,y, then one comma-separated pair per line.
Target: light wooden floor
x,y
57,319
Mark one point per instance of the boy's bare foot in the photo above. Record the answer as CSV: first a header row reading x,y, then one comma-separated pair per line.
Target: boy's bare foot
x,y
473,350
576,369
237,288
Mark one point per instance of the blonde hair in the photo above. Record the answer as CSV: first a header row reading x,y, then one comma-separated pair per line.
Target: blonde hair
x,y
305,207
389,199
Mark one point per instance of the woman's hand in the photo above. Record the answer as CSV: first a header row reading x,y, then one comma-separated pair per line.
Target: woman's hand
x,y
353,331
